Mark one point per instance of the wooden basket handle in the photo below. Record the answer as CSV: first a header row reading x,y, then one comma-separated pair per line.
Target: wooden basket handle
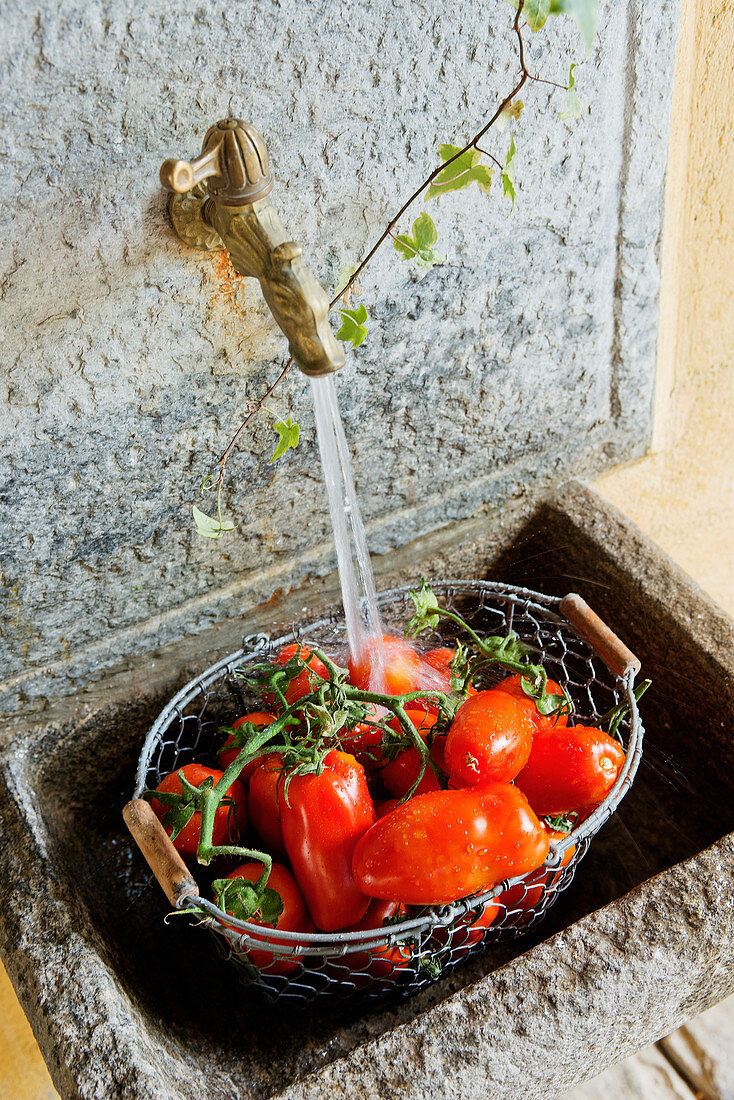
x,y
164,861
602,640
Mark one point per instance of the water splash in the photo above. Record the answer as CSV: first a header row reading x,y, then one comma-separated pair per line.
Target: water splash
x,y
364,627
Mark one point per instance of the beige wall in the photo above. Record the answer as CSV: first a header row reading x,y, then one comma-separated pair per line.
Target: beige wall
x,y
682,493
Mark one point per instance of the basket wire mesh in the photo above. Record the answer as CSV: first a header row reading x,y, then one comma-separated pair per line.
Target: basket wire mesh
x,y
296,967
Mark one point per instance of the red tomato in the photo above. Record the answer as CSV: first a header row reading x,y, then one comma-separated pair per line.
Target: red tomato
x,y
304,683
294,918
440,659
230,819
489,739
476,930
513,687
323,817
526,895
444,845
362,738
569,768
266,786
401,670
258,718
382,809
400,774
465,936
381,961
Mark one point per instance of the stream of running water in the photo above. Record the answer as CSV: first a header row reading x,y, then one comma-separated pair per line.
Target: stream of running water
x,y
355,570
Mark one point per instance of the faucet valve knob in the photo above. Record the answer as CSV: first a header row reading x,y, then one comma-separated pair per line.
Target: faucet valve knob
x,y
234,160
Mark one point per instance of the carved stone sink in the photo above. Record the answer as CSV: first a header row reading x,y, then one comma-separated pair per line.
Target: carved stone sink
x,y
123,1005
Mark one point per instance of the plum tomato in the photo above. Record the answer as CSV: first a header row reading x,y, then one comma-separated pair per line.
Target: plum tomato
x,y
323,817
383,808
380,961
477,928
228,753
526,895
401,672
444,845
489,739
570,768
400,774
230,818
462,937
361,739
266,787
294,918
304,683
440,659
513,687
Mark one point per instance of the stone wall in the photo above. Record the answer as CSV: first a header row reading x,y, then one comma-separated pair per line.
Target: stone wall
x,y
127,359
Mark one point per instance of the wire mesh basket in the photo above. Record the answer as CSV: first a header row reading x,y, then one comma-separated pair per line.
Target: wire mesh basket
x,y
402,957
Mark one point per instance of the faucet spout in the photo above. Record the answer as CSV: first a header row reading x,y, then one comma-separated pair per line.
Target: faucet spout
x,y
232,210
260,247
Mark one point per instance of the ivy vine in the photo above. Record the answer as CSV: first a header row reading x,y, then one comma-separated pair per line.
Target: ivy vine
x,y
460,166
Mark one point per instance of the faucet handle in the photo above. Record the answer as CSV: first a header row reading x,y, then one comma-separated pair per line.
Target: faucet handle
x,y
234,159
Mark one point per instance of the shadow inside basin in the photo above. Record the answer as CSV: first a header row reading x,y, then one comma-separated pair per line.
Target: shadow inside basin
x,y
681,802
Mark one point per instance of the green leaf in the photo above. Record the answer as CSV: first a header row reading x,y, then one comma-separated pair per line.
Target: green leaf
x,y
561,823
289,435
344,276
508,173
461,173
536,12
418,247
425,603
241,899
583,11
353,328
572,107
208,527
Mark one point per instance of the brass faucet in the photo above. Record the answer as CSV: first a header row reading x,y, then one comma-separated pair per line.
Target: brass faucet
x,y
220,200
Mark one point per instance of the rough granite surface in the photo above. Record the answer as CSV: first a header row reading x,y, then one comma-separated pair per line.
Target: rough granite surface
x,y
128,359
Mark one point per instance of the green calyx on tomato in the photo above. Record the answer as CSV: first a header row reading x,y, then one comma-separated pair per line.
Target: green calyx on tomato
x,y
243,899
183,806
561,823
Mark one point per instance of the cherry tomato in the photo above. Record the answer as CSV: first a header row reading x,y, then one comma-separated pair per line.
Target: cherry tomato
x,y
513,687
380,961
570,768
444,845
266,787
230,818
400,774
323,817
302,684
294,918
401,671
489,739
526,895
258,718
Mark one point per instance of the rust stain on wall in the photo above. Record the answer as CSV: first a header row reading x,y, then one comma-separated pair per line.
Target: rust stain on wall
x,y
240,324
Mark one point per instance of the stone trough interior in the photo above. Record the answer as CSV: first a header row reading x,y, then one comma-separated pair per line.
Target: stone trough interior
x,y
186,1008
